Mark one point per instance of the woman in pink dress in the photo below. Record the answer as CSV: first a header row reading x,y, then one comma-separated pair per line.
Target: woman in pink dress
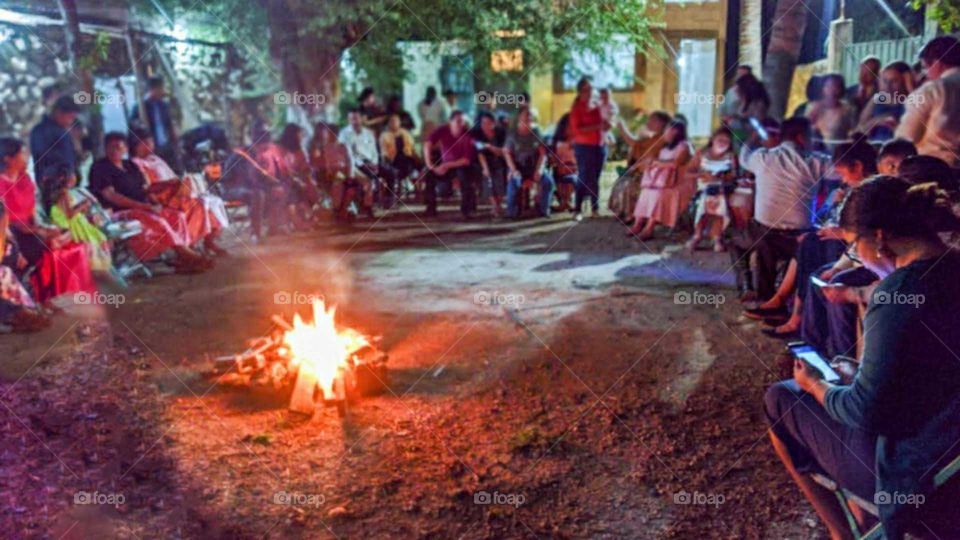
x,y
206,213
60,265
664,190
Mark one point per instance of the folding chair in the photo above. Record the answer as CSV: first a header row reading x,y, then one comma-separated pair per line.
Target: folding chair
x,y
845,496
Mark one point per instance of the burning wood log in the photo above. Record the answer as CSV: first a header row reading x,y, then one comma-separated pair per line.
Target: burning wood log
x,y
320,362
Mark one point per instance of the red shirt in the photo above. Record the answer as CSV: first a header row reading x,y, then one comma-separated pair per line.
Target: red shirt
x,y
19,196
585,114
453,147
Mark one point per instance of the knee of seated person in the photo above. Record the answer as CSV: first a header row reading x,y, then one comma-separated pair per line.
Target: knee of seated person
x,y
780,397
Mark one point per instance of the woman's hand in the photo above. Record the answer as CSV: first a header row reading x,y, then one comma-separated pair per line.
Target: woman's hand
x,y
807,377
828,274
838,294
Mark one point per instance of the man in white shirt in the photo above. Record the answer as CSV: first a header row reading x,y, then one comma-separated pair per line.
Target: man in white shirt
x,y
932,116
362,145
787,178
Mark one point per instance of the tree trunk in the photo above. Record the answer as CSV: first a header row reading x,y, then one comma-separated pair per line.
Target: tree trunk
x,y
309,62
786,39
71,32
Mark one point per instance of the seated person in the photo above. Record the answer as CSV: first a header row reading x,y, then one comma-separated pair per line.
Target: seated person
x,y
17,308
363,150
457,154
881,115
69,212
892,153
299,178
490,140
120,186
206,213
715,169
665,190
563,162
60,264
818,251
644,148
526,157
895,425
333,164
398,158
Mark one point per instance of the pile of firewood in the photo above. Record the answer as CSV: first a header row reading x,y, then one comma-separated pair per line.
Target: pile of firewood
x,y
268,363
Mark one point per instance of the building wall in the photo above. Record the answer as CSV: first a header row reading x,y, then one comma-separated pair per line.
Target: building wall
x,y
656,69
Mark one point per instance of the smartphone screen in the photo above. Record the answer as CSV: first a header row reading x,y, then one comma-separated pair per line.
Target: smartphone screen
x,y
809,355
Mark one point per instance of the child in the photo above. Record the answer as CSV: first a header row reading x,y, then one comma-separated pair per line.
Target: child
x,y
715,167
68,209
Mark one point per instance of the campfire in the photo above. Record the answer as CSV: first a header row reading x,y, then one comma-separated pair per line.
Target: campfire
x,y
315,359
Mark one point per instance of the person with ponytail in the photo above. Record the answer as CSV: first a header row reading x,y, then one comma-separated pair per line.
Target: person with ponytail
x,y
886,433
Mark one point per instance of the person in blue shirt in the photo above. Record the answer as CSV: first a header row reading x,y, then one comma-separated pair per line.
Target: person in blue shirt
x,y
50,140
159,121
886,434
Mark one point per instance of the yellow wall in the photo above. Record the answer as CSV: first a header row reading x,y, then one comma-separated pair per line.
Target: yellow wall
x,y
655,70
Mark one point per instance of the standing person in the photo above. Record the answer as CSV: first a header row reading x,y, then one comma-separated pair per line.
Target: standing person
x,y
609,112
449,102
50,140
432,113
371,112
896,423
160,123
395,106
526,156
932,117
644,149
787,176
363,150
398,158
664,193
860,94
61,265
587,128
752,96
831,116
731,100
457,153
491,139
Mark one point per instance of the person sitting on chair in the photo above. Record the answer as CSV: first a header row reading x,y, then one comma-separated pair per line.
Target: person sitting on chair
x,y
885,435
526,155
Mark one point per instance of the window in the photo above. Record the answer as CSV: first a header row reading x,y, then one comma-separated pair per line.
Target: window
x,y
617,70
696,97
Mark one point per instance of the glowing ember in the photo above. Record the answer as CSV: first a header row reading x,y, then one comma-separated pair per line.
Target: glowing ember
x,y
320,347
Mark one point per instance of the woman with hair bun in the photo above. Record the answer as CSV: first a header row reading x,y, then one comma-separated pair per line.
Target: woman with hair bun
x,y
895,425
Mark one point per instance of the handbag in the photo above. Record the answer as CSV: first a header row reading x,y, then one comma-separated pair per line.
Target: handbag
x,y
656,177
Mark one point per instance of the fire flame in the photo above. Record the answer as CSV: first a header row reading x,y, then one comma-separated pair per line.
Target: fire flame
x,y
320,347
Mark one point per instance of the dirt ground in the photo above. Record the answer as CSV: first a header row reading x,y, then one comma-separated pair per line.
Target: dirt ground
x,y
548,379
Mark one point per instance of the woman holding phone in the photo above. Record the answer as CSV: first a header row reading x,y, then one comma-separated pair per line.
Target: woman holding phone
x,y
897,423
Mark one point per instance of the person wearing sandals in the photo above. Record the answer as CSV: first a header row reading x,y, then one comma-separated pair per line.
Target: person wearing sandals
x,y
714,168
